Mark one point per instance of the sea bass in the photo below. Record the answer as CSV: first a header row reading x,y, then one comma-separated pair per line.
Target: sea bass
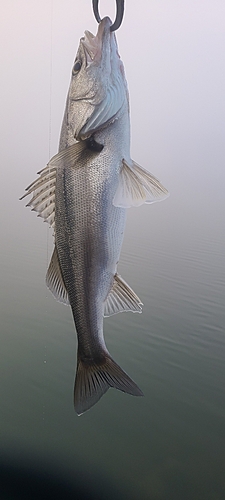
x,y
83,194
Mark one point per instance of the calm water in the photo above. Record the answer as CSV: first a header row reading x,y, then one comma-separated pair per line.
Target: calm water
x,y
169,444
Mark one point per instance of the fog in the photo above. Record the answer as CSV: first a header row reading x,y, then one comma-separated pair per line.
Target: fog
x,y
173,53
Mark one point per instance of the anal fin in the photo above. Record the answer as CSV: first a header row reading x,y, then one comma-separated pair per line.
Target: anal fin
x,y
54,280
121,298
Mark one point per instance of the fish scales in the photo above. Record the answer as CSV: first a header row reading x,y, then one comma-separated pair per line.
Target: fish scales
x,y
83,193
89,235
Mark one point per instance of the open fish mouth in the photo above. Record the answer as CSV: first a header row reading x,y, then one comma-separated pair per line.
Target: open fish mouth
x,y
104,64
93,44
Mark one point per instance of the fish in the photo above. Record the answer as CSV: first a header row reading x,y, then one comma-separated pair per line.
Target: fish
x,y
83,194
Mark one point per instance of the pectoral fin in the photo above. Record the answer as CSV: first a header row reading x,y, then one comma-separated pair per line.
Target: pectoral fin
x,y
54,280
121,298
73,155
137,186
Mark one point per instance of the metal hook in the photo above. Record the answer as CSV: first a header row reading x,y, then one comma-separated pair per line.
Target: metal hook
x,y
119,13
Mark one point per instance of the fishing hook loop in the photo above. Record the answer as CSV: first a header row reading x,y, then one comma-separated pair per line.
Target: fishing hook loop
x,y
119,13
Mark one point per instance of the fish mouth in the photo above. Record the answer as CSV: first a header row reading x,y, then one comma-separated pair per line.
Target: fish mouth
x,y
103,67
94,44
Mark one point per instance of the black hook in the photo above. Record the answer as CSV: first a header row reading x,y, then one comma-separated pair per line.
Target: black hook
x,y
119,13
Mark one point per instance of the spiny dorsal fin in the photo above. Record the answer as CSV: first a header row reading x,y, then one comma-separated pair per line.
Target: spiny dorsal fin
x,y
54,280
43,188
43,191
121,298
137,186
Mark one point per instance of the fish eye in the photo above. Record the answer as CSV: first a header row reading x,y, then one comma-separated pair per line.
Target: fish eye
x,y
77,67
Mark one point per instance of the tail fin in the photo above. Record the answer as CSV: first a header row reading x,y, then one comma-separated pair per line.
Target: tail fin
x,y
93,380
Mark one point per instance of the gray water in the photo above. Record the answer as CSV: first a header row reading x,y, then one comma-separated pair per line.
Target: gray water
x,y
168,445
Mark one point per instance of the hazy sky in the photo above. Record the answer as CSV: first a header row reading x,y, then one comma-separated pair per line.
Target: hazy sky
x,y
174,57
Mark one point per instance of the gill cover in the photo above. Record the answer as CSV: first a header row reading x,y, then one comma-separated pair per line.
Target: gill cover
x,y
98,87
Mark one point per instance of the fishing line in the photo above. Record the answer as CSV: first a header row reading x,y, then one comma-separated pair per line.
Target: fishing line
x,y
49,156
50,108
50,83
50,114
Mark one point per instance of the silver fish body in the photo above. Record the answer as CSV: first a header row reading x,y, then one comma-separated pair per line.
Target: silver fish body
x,y
83,193
89,233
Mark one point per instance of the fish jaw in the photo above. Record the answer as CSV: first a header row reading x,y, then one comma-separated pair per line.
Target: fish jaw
x,y
98,89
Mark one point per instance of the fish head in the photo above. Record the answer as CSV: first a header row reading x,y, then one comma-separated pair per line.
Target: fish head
x,y
98,88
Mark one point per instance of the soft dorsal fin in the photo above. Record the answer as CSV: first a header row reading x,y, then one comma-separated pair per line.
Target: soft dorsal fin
x,y
137,186
54,280
121,298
